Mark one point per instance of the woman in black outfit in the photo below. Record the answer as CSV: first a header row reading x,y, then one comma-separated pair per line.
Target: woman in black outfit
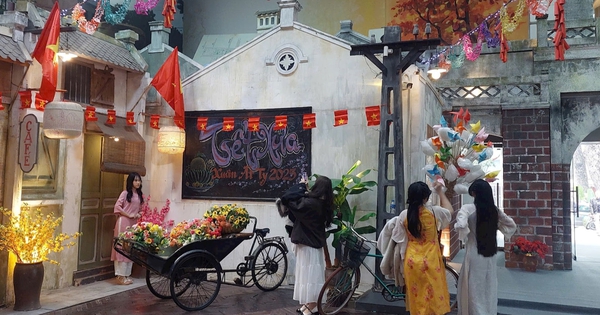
x,y
312,213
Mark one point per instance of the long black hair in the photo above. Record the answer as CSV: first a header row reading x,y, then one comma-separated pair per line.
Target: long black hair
x,y
487,218
323,190
418,193
130,178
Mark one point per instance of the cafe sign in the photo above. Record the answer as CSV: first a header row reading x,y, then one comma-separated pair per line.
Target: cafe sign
x,y
28,143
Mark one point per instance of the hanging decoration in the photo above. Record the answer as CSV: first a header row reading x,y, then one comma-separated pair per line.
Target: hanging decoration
x,y
111,117
510,23
201,123
254,124
84,25
538,8
169,13
115,17
309,121
154,119
472,53
228,123
40,103
280,122
1,106
373,115
90,113
63,120
25,99
171,140
560,32
491,41
130,119
340,117
142,7
503,44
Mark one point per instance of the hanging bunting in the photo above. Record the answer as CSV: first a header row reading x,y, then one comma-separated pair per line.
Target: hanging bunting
x,y
84,25
491,41
142,7
201,123
154,121
111,117
560,31
130,119
90,113
309,121
472,53
510,23
228,123
280,122
373,115
340,117
115,17
457,61
40,103
254,124
25,98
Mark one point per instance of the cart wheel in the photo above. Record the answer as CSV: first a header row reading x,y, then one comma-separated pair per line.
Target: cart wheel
x,y
199,274
269,267
159,285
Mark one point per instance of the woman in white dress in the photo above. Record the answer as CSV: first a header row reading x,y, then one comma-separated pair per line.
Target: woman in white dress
x,y
476,225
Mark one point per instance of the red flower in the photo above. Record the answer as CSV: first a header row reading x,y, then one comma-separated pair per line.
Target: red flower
x,y
524,246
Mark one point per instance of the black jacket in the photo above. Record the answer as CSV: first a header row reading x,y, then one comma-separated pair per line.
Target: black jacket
x,y
309,224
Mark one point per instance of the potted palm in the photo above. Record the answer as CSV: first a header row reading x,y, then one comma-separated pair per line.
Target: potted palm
x,y
345,216
31,236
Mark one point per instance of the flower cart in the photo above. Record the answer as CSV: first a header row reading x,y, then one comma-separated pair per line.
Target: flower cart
x,y
192,275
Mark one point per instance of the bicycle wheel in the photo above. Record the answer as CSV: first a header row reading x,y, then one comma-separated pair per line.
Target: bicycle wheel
x,y
337,290
452,281
200,274
269,267
158,284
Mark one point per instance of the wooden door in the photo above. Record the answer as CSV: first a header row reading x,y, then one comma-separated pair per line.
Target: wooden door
x,y
99,192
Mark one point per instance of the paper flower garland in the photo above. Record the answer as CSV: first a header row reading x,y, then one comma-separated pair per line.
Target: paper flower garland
x,y
458,153
142,7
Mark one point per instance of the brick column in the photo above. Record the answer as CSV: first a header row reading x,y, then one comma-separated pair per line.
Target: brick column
x,y
527,178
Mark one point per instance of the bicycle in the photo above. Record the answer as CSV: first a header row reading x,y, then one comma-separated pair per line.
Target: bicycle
x,y
339,287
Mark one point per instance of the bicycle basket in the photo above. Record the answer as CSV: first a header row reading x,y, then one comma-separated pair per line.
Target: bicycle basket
x,y
355,250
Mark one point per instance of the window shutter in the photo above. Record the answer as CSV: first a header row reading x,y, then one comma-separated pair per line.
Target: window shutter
x,y
103,87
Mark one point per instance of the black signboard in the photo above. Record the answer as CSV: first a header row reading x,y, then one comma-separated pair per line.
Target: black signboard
x,y
242,163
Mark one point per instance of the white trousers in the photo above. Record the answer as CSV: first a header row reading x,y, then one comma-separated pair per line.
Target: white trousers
x,y
123,268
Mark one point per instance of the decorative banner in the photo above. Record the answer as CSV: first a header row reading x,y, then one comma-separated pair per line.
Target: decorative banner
x,y
130,119
373,115
90,113
40,104
228,123
242,164
25,98
111,117
154,119
280,122
201,123
340,117
309,121
254,124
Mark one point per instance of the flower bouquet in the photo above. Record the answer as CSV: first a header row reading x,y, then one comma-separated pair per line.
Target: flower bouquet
x,y
154,215
523,246
196,230
30,235
149,234
230,217
458,153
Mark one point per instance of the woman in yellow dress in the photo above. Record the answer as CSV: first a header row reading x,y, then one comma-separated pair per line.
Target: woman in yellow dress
x,y
424,273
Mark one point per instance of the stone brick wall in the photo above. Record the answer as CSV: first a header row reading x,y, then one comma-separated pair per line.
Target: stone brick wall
x,y
528,182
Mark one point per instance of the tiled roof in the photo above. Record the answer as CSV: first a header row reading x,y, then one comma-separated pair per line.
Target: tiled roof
x,y
11,50
101,48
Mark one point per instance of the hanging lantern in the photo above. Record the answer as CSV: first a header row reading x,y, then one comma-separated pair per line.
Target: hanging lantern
x,y
171,140
63,120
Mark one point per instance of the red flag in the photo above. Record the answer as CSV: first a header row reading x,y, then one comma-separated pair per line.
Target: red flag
x,y
280,122
90,113
169,13
228,123
40,103
341,117
167,82
1,106
309,121
45,52
130,119
254,124
201,123
111,117
373,115
25,98
154,119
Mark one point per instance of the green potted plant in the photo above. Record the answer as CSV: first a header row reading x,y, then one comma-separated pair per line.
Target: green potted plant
x,y
345,216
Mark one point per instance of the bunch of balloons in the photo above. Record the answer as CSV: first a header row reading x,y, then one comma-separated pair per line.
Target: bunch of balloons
x,y
458,153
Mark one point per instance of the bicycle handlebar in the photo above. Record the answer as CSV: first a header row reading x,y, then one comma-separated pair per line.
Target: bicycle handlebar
x,y
364,239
